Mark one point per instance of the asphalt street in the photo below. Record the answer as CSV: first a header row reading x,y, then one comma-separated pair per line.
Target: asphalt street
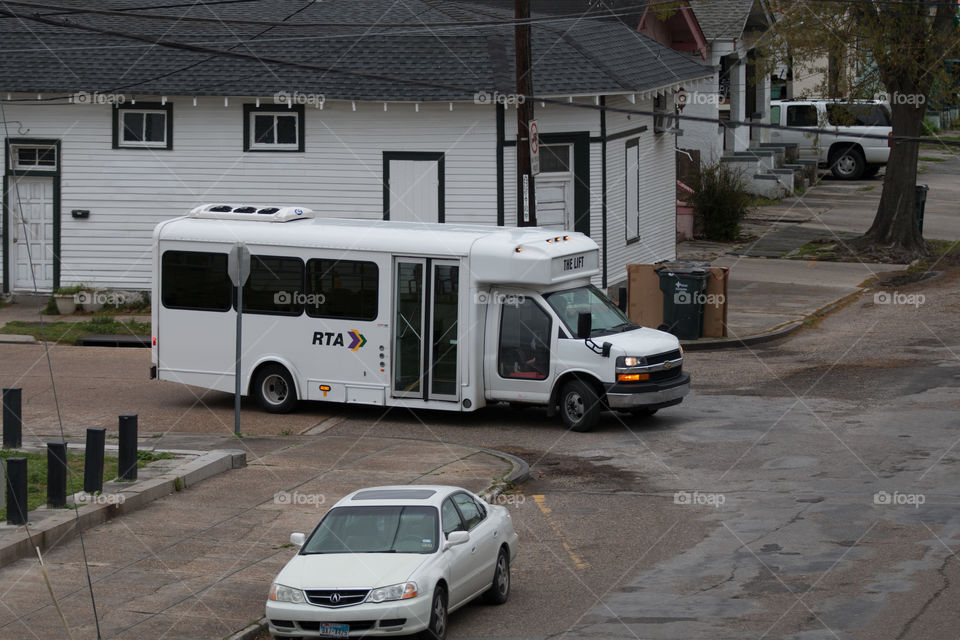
x,y
806,489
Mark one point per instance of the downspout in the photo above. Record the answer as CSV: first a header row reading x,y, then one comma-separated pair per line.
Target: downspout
x,y
603,183
501,131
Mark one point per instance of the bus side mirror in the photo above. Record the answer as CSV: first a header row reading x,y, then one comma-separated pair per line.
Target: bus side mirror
x,y
584,325
605,352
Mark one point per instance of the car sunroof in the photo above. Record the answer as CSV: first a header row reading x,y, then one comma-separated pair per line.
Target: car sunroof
x,y
395,494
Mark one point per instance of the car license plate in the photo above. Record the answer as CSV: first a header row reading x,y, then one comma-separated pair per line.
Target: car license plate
x,y
334,630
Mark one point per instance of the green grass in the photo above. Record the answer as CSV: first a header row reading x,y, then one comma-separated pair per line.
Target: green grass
x,y
929,159
867,188
70,332
37,473
759,201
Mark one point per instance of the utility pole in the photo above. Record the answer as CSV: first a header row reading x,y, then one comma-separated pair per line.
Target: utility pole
x,y
524,64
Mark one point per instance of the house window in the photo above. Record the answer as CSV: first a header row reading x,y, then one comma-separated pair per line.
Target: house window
x,y
555,158
143,126
273,129
33,157
632,181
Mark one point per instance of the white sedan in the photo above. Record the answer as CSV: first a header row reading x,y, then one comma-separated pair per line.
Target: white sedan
x,y
389,561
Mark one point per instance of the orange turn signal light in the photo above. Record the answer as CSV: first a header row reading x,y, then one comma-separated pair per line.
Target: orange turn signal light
x,y
632,377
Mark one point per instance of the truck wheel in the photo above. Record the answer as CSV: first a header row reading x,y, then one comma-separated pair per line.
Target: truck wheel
x,y
274,390
579,406
848,164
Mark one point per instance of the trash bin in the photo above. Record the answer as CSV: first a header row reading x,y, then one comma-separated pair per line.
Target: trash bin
x,y
921,201
683,300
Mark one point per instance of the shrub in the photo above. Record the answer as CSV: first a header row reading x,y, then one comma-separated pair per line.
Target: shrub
x,y
927,128
719,200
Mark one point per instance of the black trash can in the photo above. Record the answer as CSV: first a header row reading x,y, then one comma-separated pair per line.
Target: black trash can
x,y
683,300
921,200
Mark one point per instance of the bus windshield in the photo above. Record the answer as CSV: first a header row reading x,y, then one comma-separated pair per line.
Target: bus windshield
x,y
606,317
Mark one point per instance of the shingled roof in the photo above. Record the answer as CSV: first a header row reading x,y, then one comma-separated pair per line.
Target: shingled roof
x,y
722,19
361,50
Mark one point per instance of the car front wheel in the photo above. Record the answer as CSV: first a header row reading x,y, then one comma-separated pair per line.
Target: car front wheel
x,y
499,591
438,616
848,164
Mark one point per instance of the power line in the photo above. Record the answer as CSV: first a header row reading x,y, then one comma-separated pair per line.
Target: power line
x,y
505,22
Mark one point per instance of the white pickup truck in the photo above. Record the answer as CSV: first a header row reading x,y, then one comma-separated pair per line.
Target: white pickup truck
x,y
832,132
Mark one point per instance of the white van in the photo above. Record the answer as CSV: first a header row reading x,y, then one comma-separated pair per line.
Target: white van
x,y
832,132
401,314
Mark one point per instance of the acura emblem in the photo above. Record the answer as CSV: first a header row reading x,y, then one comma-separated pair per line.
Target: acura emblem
x,y
334,598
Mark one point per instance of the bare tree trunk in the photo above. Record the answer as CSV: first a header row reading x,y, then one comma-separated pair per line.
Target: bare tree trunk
x,y
895,228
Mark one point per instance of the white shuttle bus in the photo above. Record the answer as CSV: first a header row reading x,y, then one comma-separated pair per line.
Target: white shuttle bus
x,y
401,314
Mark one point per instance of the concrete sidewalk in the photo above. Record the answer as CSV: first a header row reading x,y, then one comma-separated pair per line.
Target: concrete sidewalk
x,y
198,563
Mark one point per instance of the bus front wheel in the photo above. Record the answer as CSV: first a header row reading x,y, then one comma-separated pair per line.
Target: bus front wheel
x,y
579,406
274,389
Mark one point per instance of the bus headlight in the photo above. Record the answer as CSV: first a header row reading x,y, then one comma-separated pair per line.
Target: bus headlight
x,y
631,361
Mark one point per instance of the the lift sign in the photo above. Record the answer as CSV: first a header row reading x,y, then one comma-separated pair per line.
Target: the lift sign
x,y
570,264
335,339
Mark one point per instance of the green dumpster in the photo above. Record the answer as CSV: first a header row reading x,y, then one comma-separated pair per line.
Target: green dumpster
x,y
683,300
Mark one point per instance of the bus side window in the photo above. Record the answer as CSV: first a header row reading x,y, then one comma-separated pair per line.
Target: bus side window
x,y
342,289
525,331
195,280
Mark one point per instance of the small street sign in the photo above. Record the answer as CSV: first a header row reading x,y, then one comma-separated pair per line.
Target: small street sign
x,y
534,148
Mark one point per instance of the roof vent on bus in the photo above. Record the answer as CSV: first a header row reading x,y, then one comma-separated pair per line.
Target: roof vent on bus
x,y
242,212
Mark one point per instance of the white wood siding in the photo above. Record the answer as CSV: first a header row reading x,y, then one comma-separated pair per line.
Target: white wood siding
x,y
657,186
128,191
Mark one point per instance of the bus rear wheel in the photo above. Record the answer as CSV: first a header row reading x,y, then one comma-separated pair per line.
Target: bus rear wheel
x,y
274,390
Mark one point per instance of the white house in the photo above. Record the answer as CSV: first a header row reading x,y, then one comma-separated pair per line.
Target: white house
x,y
114,121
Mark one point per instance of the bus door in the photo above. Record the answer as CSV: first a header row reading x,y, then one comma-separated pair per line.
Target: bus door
x,y
521,365
426,329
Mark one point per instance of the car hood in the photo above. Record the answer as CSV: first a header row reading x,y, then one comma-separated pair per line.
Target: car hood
x,y
640,342
349,570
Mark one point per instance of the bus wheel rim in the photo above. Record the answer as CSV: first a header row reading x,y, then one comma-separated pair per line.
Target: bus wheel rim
x,y
274,389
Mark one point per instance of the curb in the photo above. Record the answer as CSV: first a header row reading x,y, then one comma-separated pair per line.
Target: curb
x,y
121,498
251,631
518,475
16,338
746,341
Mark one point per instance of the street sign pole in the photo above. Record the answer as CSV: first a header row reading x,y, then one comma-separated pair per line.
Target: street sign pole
x,y
238,266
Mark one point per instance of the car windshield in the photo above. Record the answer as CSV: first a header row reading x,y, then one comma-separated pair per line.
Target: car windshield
x,y
400,529
606,317
858,115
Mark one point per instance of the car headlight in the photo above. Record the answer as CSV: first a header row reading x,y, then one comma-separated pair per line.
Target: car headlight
x,y
280,593
393,592
631,361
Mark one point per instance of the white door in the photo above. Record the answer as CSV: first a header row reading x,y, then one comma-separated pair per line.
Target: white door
x,y
555,187
31,232
414,190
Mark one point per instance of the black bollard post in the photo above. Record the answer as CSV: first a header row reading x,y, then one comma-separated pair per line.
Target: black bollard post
x,y
93,460
56,474
128,447
12,420
16,491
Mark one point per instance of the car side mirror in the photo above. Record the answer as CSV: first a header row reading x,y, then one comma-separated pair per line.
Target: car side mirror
x,y
297,539
584,326
456,538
